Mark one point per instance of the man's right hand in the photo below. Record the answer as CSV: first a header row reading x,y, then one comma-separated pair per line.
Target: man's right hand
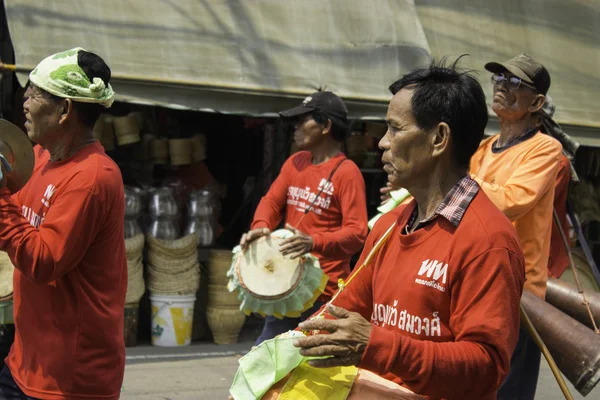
x,y
254,234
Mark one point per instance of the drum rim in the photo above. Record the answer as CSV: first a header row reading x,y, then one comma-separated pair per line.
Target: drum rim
x,y
265,297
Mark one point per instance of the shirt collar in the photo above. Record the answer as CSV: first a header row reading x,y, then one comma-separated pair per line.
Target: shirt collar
x,y
454,205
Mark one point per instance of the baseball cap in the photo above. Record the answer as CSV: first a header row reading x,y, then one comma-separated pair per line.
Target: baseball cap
x,y
526,68
327,102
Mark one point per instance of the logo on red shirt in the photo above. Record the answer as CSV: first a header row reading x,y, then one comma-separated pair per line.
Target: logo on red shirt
x,y
436,271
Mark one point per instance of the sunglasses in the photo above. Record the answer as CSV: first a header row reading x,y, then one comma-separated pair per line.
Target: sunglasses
x,y
513,82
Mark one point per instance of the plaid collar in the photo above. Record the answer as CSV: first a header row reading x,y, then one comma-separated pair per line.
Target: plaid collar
x,y
453,206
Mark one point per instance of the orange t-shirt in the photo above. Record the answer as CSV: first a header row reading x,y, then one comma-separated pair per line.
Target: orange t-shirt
x,y
520,182
559,259
64,233
338,221
443,302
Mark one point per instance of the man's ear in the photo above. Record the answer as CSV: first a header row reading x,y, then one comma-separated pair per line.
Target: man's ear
x,y
67,111
327,126
537,103
440,140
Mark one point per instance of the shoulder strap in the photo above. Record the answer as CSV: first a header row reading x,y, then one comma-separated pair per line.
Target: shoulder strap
x,y
328,180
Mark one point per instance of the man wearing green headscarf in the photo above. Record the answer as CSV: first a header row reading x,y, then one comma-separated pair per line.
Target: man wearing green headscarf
x,y
63,232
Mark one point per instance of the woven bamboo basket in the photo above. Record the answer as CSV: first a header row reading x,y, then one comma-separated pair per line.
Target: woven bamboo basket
x,y
99,128
169,283
219,296
107,138
225,324
127,129
147,139
134,246
172,265
198,144
180,151
178,248
134,264
135,284
219,262
159,151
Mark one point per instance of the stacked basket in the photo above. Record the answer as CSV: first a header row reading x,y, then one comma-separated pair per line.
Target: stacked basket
x,y
173,280
135,287
223,312
173,267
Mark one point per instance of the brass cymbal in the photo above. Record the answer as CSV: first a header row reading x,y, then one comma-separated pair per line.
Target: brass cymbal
x,y
18,151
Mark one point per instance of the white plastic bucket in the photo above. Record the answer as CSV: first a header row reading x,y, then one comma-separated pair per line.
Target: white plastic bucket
x,y
172,320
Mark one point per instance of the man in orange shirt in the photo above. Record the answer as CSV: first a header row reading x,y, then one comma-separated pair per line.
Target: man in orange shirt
x,y
434,302
322,196
63,232
517,169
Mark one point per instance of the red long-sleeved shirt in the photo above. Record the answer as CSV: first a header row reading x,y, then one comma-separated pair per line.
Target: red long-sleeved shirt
x,y
443,302
64,234
338,221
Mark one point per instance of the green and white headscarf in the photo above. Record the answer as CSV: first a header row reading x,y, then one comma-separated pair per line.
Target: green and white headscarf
x,y
61,75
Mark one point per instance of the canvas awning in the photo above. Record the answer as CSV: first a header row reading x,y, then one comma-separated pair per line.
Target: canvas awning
x,y
248,57
256,57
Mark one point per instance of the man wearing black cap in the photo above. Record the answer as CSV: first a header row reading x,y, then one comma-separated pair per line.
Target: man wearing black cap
x,y
319,179
517,169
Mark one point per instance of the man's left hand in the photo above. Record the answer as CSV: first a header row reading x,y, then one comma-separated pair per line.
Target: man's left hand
x,y
298,245
344,345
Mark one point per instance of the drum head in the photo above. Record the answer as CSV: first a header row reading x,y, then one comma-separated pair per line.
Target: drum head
x,y
264,272
18,151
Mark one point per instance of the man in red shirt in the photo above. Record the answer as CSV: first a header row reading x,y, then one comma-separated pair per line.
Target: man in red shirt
x,y
322,195
434,302
63,232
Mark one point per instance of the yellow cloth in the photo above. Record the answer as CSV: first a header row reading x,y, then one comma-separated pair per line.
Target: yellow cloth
x,y
520,182
308,383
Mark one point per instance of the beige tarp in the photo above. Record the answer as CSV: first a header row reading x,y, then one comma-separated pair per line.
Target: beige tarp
x,y
257,56
564,35
245,56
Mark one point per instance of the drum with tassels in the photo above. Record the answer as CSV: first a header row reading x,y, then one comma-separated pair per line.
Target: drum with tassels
x,y
269,283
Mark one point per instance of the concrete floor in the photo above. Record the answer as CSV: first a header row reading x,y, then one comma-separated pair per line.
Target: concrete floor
x,y
205,371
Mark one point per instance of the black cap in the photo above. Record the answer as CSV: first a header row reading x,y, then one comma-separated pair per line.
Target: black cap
x,y
526,68
328,103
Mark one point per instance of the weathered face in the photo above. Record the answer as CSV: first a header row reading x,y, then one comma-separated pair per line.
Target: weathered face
x,y
42,115
407,149
308,134
512,104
